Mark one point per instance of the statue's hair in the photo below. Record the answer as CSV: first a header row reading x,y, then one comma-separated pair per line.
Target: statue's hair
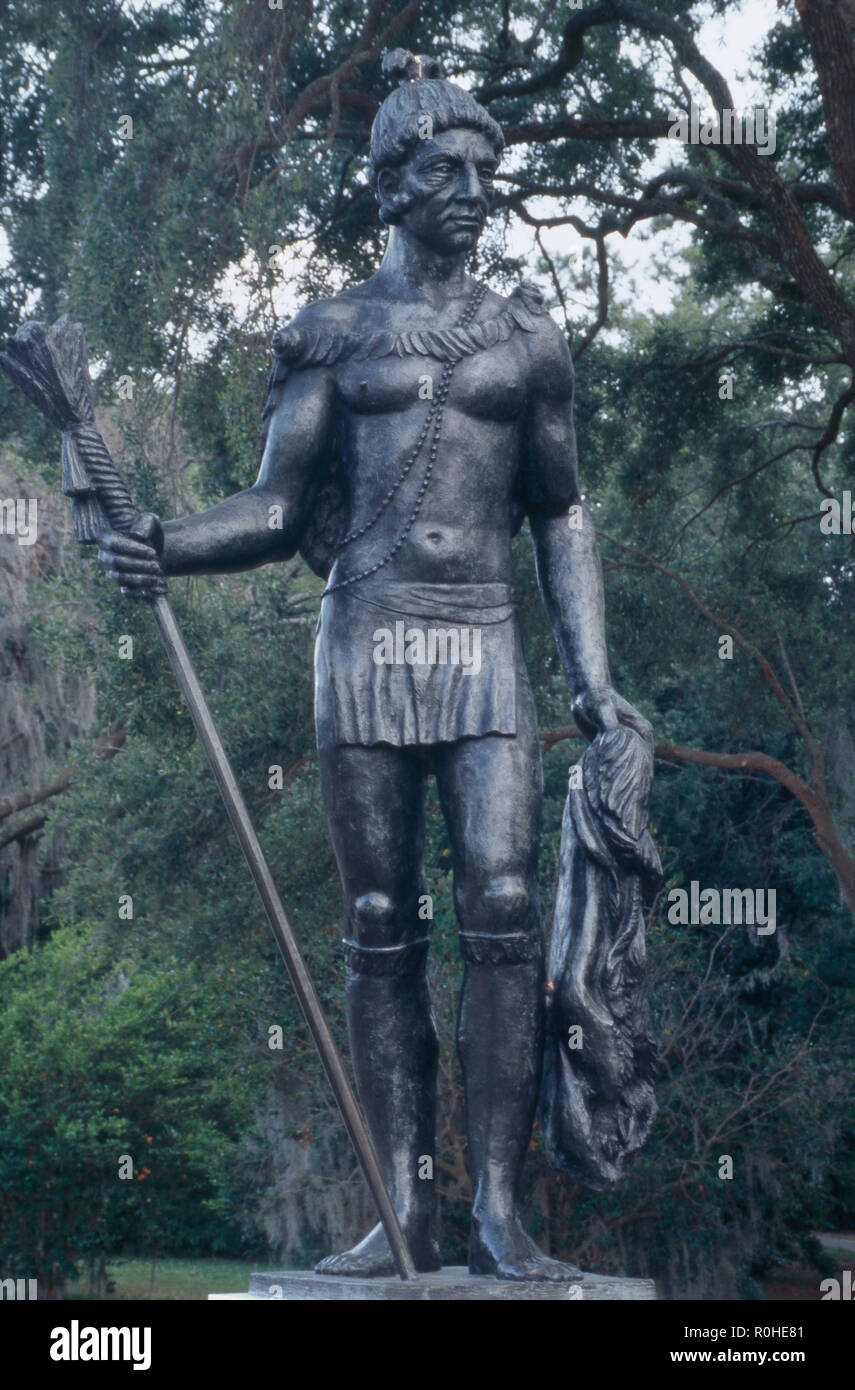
x,y
423,91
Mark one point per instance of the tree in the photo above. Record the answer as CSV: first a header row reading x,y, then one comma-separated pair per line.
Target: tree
x,y
111,1135
285,98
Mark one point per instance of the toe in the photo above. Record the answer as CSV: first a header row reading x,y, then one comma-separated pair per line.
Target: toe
x,y
561,1273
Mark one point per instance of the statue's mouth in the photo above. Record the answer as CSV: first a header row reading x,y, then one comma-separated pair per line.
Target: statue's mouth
x,y
464,223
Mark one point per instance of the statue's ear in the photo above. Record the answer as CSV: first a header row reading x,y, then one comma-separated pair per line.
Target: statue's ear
x,y
392,203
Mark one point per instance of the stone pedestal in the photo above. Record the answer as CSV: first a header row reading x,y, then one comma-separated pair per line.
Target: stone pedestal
x,y
449,1285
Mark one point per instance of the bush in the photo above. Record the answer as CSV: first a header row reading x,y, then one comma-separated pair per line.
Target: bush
x,y
121,1109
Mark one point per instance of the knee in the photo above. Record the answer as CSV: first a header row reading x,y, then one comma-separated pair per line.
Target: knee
x,y
373,919
497,904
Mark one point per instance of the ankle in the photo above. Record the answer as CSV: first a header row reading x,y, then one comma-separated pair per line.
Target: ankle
x,y
490,1207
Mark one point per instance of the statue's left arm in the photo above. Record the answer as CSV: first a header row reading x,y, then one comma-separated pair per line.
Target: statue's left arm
x,y
568,563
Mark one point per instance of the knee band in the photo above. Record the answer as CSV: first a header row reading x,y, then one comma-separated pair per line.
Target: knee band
x,y
407,959
490,948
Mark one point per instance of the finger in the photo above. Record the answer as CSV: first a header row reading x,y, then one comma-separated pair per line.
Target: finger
x,y
138,595
589,729
143,587
117,543
134,580
633,717
120,575
128,565
585,712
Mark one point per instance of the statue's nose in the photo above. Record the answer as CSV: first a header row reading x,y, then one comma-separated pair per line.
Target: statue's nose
x,y
469,184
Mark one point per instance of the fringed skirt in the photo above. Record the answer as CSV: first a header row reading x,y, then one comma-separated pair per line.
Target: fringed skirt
x,y
413,664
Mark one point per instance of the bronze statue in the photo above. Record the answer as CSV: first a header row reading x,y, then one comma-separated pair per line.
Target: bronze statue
x,y
413,422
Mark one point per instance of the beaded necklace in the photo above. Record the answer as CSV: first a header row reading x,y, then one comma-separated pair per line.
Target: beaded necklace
x,y
434,418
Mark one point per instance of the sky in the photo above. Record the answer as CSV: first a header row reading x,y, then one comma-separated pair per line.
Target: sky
x,y
728,41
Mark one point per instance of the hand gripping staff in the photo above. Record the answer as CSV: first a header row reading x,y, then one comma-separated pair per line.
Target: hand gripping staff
x,y
49,364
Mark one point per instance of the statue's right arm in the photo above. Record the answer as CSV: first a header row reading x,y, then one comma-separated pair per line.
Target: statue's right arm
x,y
253,527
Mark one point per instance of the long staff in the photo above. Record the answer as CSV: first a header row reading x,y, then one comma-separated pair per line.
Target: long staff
x,y
49,364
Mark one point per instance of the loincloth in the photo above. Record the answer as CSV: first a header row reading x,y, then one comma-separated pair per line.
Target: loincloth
x,y
410,664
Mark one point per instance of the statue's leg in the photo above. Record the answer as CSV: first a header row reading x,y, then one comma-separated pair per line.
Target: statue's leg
x,y
375,805
491,792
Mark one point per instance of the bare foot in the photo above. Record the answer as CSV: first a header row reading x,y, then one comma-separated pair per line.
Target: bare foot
x,y
372,1257
502,1248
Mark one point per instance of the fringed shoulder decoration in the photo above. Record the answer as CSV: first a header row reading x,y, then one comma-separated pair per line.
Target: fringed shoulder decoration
x,y
295,347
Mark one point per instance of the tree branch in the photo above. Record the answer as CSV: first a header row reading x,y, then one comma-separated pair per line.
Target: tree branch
x,y
795,248
578,128
23,832
833,52
569,54
831,432
107,747
602,297
814,800
739,638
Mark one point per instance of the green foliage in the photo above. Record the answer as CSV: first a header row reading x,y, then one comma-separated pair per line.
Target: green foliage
x,y
110,1054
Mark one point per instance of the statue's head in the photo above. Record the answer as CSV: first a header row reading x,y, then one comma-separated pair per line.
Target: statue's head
x,y
433,154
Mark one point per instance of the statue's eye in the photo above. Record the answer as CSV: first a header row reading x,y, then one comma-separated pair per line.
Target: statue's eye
x,y
486,173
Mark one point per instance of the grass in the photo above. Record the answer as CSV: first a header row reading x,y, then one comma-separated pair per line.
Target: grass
x,y
170,1278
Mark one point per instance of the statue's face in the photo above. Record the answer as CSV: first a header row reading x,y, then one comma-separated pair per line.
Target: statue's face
x,y
448,182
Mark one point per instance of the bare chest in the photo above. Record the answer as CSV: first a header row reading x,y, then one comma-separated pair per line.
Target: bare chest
x,y
489,385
